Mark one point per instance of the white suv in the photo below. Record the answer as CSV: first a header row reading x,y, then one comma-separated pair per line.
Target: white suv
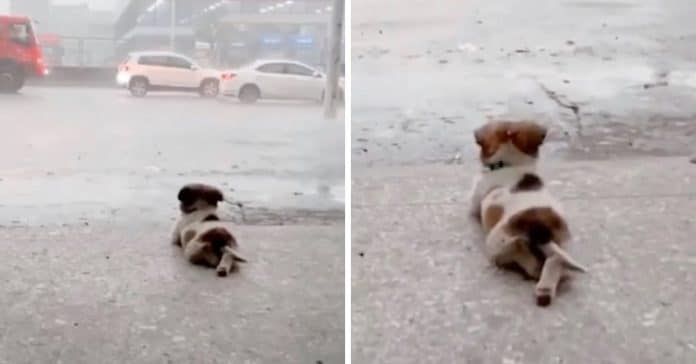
x,y
166,71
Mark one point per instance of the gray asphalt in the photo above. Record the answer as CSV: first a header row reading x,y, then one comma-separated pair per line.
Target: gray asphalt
x,y
88,184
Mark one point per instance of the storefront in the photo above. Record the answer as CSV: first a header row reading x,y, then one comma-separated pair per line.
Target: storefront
x,y
242,42
241,31
236,31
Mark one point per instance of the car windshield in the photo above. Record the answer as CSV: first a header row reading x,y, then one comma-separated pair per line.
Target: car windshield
x,y
21,33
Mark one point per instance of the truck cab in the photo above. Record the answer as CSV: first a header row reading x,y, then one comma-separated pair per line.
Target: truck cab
x,y
20,53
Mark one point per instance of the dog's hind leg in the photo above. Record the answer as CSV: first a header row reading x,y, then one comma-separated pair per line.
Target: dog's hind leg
x,y
551,274
528,263
226,265
228,262
499,246
521,260
176,236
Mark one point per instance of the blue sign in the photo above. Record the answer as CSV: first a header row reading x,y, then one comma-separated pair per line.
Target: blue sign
x,y
304,40
272,40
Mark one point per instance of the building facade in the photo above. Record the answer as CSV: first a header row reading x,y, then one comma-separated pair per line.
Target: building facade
x,y
38,10
145,25
228,33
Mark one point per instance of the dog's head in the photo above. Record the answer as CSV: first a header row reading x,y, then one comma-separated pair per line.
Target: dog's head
x,y
510,143
198,196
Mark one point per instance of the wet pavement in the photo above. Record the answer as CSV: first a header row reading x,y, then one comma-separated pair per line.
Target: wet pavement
x,y
614,79
88,185
423,291
120,293
101,154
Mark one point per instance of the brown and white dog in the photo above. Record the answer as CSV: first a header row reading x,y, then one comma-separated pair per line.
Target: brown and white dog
x,y
205,239
524,224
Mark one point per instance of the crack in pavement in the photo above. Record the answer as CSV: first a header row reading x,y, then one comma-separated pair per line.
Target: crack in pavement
x,y
555,97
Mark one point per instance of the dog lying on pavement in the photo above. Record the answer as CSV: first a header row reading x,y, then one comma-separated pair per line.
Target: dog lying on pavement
x,y
205,239
523,223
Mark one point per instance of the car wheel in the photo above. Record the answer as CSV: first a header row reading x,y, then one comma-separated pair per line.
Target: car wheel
x,y
138,86
209,88
11,78
249,94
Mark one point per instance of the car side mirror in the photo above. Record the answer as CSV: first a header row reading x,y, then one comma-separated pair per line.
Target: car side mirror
x,y
194,67
317,75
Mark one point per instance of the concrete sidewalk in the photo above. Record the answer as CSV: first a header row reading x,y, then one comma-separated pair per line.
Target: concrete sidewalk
x,y
121,293
424,293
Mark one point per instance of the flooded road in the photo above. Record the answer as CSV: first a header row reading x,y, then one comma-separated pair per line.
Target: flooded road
x,y
100,153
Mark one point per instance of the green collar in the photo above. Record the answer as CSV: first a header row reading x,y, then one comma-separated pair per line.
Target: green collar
x,y
496,165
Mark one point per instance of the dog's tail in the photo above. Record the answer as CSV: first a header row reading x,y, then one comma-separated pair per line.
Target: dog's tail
x,y
235,254
542,227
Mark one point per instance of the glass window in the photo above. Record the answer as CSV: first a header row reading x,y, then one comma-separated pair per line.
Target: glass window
x,y
297,70
178,62
153,60
20,33
272,68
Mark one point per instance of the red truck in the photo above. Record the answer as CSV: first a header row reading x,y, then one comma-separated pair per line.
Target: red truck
x,y
20,53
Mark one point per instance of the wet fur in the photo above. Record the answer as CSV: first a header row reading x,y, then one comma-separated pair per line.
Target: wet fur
x,y
204,238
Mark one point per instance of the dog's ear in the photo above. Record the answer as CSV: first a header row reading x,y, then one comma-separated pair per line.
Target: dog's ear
x,y
491,136
212,195
186,194
479,135
527,136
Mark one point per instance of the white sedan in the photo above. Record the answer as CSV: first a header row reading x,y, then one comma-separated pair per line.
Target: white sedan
x,y
276,79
